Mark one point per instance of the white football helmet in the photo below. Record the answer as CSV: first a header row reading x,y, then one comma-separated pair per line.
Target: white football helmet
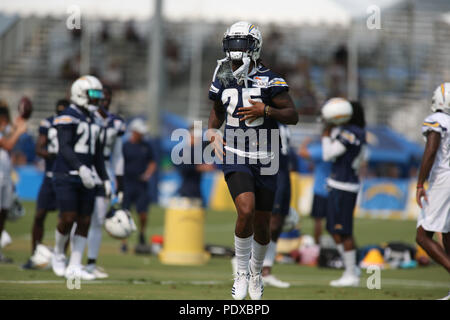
x,y
441,98
242,42
337,111
242,39
119,224
87,91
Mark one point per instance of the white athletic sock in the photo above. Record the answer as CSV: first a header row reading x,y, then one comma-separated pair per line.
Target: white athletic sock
x,y
95,229
79,242
349,261
60,242
243,249
340,249
94,241
258,254
270,254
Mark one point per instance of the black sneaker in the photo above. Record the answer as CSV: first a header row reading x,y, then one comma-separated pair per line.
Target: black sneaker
x,y
29,265
124,248
143,248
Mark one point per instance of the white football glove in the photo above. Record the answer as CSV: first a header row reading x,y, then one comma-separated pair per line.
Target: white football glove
x,y
108,188
87,177
120,196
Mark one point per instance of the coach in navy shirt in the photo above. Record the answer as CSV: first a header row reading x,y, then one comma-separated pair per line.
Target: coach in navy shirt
x,y
139,168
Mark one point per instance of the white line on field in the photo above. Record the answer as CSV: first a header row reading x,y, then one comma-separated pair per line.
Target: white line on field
x,y
296,283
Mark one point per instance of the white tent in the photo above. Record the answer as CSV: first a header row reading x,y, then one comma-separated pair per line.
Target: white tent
x,y
281,12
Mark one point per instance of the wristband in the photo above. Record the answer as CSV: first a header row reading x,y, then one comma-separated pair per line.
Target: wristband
x,y
266,111
419,186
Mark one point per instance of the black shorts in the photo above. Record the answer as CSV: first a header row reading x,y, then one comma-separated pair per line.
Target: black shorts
x,y
136,192
72,195
47,197
319,207
239,182
282,200
341,205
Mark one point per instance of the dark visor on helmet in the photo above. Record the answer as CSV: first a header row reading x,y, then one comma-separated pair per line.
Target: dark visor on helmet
x,y
95,94
239,44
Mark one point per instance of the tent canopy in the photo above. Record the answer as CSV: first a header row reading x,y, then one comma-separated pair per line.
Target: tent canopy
x,y
281,12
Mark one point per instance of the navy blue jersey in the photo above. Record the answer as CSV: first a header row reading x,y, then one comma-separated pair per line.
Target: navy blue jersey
x,y
137,156
113,127
47,129
263,85
345,167
78,135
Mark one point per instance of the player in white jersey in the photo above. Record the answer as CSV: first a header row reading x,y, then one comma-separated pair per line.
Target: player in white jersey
x,y
8,139
435,167
113,128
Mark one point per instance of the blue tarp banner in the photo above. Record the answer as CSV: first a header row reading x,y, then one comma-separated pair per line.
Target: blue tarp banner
x,y
384,194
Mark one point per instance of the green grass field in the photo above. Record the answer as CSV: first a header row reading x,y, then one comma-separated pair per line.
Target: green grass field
x,y
144,277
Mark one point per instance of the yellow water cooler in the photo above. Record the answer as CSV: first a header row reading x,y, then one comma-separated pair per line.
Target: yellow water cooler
x,y
184,233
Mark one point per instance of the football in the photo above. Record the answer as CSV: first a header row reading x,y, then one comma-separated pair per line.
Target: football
x,y
25,107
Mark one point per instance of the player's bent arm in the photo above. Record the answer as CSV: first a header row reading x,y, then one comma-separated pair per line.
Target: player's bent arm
x,y
284,110
331,149
99,161
19,128
65,149
151,168
41,146
216,116
431,148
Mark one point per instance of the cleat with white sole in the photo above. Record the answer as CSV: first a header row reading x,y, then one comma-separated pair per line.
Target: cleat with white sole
x,y
271,280
240,286
447,297
77,271
347,280
98,272
59,264
255,286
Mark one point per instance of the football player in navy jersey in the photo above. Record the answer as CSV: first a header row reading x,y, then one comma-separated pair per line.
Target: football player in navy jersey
x,y
47,148
250,98
343,144
280,209
80,151
112,129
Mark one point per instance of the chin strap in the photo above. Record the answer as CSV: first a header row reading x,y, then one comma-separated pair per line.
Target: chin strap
x,y
241,74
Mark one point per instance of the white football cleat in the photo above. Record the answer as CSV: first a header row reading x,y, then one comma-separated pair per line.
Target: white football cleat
x,y
98,272
77,271
271,280
240,286
255,286
347,280
59,264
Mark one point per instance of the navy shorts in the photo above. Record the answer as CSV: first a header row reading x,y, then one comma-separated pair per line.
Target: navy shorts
x,y
47,197
341,205
72,195
282,200
250,179
319,207
136,192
